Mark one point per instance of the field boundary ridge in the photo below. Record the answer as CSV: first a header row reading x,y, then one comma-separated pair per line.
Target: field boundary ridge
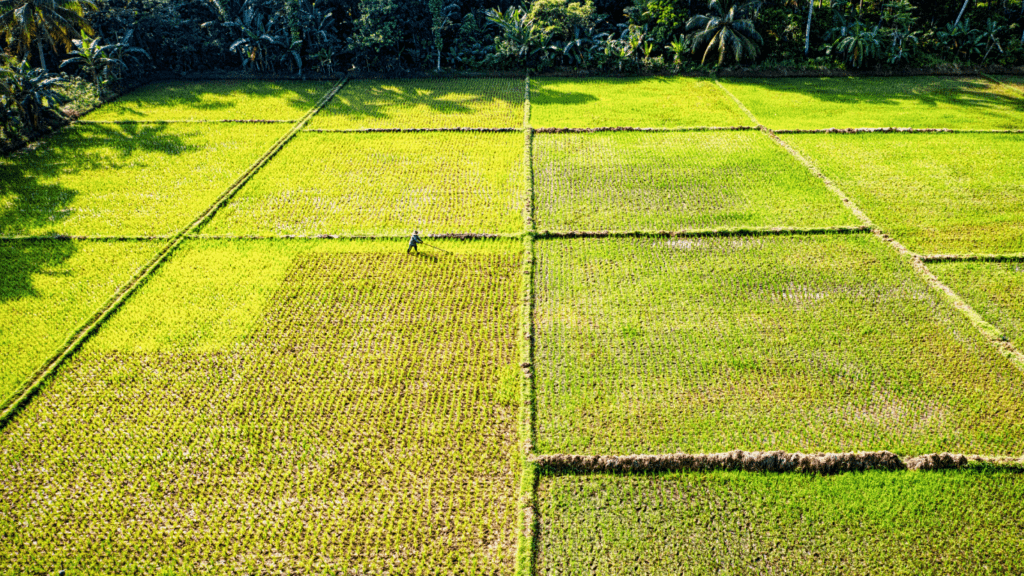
x,y
11,405
67,238
893,130
699,233
825,463
224,121
405,130
1016,257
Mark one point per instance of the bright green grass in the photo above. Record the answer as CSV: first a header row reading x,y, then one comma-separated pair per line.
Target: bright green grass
x,y
364,422
963,522
132,180
383,184
48,288
936,193
994,289
913,102
214,100
650,180
634,102
815,343
1016,81
437,103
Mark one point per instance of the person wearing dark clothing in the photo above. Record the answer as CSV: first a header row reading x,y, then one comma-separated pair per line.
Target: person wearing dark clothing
x,y
414,242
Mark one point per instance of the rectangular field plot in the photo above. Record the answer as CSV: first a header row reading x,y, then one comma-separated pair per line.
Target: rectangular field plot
x,y
437,103
913,102
936,193
384,184
48,288
675,181
125,180
214,100
994,289
908,523
361,421
632,102
804,344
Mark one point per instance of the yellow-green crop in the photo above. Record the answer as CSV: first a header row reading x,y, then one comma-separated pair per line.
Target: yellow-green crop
x,y
994,289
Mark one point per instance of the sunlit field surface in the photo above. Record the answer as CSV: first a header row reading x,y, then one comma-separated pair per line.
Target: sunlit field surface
x,y
936,193
994,289
914,102
636,102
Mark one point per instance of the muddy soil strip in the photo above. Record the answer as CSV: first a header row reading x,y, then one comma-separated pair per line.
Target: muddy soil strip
x,y
711,232
250,121
396,130
34,382
896,131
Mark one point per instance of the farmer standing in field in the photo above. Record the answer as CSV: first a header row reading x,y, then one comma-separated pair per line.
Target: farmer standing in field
x,y
414,242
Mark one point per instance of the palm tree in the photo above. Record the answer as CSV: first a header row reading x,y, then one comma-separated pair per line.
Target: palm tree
x,y
725,29
58,21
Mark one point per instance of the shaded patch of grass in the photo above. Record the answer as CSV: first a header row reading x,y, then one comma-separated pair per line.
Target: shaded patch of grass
x,y
935,193
49,288
909,102
435,103
636,102
964,522
133,179
994,289
803,344
383,184
214,100
364,422
675,181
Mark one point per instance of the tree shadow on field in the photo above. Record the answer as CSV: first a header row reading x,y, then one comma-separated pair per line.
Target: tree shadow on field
x,y
377,100
32,199
22,260
961,92
138,104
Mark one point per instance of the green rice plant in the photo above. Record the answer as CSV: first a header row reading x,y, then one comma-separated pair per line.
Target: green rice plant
x,y
384,184
1015,81
125,180
908,523
427,103
910,102
214,100
362,421
675,181
48,288
935,193
803,344
994,289
672,102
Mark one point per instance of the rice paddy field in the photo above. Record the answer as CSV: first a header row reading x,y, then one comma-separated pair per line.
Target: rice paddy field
x,y
218,357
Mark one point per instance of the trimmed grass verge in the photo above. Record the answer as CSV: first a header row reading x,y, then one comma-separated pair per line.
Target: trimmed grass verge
x,y
384,184
675,181
803,344
671,102
953,522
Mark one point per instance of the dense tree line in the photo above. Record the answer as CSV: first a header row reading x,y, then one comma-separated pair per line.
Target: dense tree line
x,y
105,41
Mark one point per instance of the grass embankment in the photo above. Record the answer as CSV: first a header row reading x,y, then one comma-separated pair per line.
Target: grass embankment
x,y
125,180
47,289
964,522
631,102
994,289
440,103
359,417
214,101
676,181
383,184
803,344
935,193
910,102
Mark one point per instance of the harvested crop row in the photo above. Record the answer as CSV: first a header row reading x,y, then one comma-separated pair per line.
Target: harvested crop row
x,y
912,102
963,522
383,184
934,193
48,288
672,102
359,418
214,100
994,289
804,344
427,103
134,179
670,181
